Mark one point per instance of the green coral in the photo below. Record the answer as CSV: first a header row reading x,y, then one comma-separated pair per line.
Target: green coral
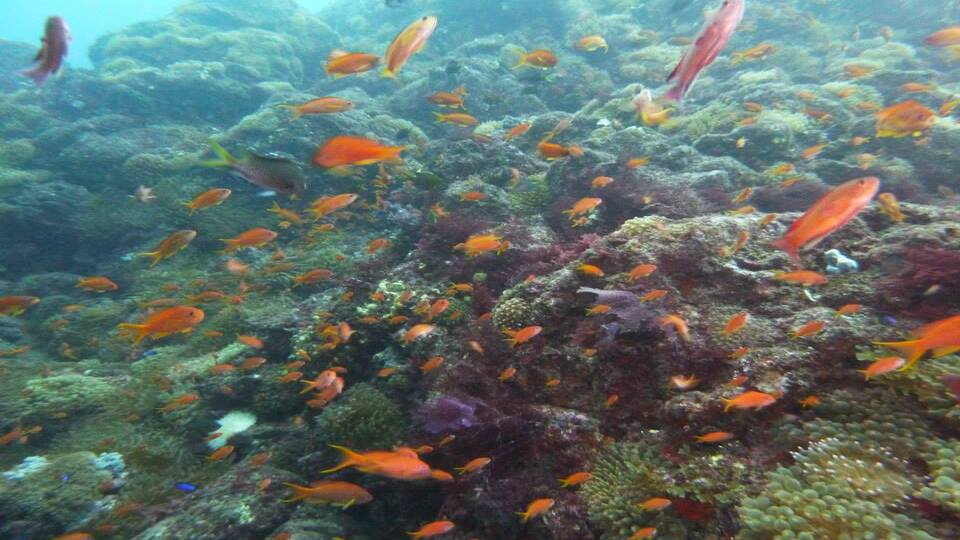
x,y
837,489
59,496
16,153
70,393
627,474
925,383
944,464
532,195
512,313
363,417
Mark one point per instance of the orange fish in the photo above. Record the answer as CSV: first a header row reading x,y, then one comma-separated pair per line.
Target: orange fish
x,y
583,206
474,465
250,341
253,238
678,324
342,63
551,151
592,43
637,162
98,284
326,205
253,363
714,437
855,70
575,479
641,271
220,369
536,508
598,309
441,476
743,195
813,151
212,197
891,207
601,182
507,374
915,87
178,402
736,323
75,536
453,99
909,118
539,58
435,528
290,377
812,327
399,464
313,276
177,319
417,331
482,243
806,278
460,119
753,53
944,38
750,399
640,534
523,335
655,294
848,309
377,244
590,270
221,453
321,105
350,150
655,504
941,337
409,41
338,493
286,214
171,246
437,308
472,196
14,351
881,366
829,213
431,364
809,401
739,353
516,131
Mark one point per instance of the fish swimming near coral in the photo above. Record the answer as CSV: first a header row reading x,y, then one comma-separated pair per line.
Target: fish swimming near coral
x,y
909,118
56,39
170,246
337,493
274,173
827,215
350,150
16,305
941,337
399,464
708,45
343,63
177,319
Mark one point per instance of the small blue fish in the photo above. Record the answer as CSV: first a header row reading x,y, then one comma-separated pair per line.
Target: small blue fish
x,y
65,478
888,320
151,352
267,194
185,486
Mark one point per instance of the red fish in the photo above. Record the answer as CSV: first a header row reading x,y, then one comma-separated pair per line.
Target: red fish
x,y
830,213
712,39
56,36
180,319
349,150
942,337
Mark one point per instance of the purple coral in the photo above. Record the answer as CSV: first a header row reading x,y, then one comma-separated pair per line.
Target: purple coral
x,y
448,414
632,313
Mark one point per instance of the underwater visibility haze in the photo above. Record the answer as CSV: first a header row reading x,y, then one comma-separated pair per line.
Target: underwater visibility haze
x,y
492,270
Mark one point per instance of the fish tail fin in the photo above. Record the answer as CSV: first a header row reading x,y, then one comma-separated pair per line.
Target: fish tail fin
x,y
524,515
674,94
792,250
155,255
437,117
350,458
912,350
191,207
520,63
727,403
225,159
299,492
294,110
140,330
38,75
388,73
